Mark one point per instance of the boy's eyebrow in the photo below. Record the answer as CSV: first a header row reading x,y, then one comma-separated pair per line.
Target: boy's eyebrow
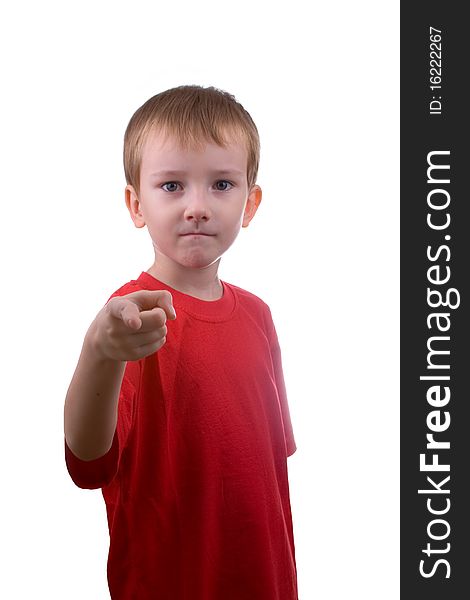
x,y
169,172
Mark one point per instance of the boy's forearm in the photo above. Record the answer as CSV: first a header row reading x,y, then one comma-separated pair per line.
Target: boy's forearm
x,y
90,412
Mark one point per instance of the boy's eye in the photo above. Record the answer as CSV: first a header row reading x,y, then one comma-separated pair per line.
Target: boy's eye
x,y
169,183
221,181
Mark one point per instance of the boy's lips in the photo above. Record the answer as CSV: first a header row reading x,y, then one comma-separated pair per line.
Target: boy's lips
x,y
197,233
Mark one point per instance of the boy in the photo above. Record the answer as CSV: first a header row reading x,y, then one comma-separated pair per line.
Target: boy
x,y
177,408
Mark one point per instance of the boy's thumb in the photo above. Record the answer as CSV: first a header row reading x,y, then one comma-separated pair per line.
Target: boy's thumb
x,y
165,301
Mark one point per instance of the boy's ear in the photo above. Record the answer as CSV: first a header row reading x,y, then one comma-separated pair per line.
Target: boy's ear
x,y
133,206
254,200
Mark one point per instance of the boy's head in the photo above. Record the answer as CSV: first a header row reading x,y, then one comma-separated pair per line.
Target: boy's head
x,y
191,159
191,115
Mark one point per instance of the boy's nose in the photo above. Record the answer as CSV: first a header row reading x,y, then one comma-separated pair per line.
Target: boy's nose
x,y
197,209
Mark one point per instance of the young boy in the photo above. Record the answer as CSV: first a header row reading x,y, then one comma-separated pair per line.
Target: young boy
x,y
177,408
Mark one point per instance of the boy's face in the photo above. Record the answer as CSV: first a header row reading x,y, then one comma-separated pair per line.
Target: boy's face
x,y
195,213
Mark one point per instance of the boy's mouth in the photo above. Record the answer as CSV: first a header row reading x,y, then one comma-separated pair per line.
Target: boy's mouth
x,y
196,233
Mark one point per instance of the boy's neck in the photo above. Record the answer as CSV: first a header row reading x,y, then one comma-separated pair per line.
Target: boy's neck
x,y
199,283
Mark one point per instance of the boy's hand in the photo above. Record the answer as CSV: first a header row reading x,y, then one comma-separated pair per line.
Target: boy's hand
x,y
132,327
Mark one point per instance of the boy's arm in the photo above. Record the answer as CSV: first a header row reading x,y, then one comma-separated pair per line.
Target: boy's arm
x,y
126,329
91,404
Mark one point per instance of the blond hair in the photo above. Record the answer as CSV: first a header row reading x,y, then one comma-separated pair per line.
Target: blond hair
x,y
194,115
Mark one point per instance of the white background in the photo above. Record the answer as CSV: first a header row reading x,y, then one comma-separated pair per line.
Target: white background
x,y
321,81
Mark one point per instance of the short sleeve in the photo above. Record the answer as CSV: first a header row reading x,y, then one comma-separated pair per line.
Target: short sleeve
x,y
280,384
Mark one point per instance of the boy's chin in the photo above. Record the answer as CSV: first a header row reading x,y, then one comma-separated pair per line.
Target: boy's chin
x,y
194,260
200,264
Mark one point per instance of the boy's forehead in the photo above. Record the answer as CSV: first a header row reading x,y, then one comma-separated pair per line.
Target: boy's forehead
x,y
162,146
159,138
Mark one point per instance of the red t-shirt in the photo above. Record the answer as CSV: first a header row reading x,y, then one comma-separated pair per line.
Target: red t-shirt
x,y
195,482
